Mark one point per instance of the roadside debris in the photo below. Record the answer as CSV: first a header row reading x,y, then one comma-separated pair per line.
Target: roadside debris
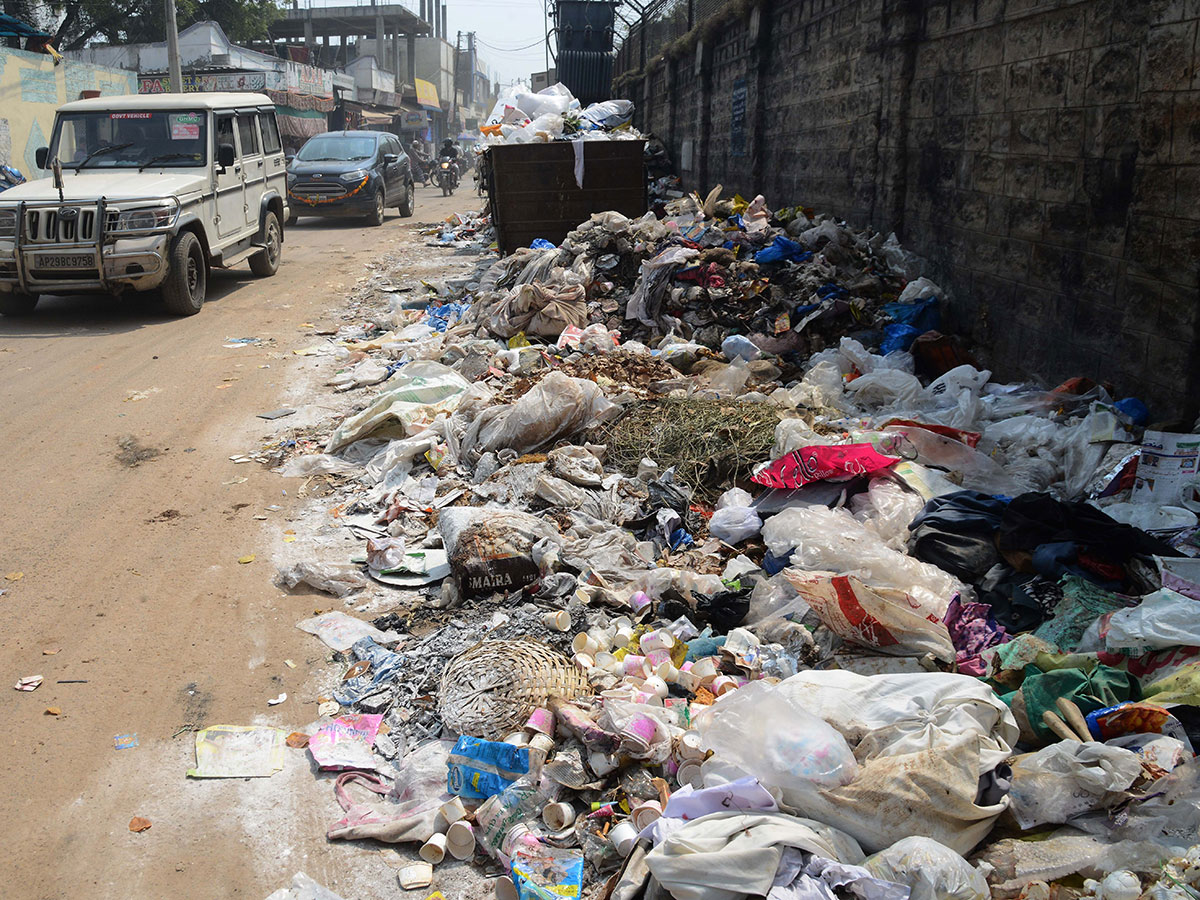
x,y
696,539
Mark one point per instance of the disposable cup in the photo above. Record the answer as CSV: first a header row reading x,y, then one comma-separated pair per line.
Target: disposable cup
x,y
558,816
585,643
690,746
541,721
584,661
640,731
517,739
559,620
416,875
623,837
460,840
505,889
689,773
645,814
453,810
655,685
433,851
657,640
623,636
634,663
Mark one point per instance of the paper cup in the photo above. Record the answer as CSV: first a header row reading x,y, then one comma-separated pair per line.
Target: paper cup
x,y
656,685
558,816
417,875
601,763
723,684
687,681
460,840
690,746
704,669
517,739
689,773
542,743
584,661
646,814
559,620
639,601
433,851
452,811
667,672
634,663
606,661
623,837
585,643
603,638
505,889
640,731
657,640
541,721
623,636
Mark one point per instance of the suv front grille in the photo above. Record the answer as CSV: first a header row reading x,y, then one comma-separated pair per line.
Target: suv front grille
x,y
47,225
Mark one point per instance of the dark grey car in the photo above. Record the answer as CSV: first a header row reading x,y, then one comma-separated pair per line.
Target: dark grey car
x,y
350,173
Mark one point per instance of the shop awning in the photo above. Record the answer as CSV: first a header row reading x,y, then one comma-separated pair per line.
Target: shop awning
x,y
427,95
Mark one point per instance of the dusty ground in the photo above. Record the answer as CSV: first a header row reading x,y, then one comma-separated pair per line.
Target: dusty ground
x,y
127,519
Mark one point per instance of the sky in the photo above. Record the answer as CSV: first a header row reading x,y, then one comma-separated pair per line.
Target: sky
x,y
509,33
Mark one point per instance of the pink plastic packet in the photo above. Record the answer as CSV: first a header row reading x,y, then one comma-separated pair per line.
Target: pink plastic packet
x,y
821,463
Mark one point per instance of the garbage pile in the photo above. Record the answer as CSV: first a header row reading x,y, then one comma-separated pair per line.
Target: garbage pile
x,y
720,571
554,114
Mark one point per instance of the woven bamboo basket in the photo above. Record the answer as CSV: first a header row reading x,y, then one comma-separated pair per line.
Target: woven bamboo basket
x,y
490,690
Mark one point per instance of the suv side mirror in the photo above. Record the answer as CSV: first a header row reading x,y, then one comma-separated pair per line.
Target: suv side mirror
x,y
41,155
226,156
287,159
391,158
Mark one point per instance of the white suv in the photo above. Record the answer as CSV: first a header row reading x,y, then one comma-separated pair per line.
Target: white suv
x,y
144,193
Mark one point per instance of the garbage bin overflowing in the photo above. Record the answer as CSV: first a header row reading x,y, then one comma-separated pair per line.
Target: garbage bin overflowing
x,y
725,569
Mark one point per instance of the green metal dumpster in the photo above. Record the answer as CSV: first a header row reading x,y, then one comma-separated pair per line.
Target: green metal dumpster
x,y
533,193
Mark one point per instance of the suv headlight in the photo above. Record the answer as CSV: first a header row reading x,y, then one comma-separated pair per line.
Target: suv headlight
x,y
291,178
8,223
146,219
356,175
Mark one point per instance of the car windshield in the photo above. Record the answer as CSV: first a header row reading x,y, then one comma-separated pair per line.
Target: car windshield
x,y
128,139
339,147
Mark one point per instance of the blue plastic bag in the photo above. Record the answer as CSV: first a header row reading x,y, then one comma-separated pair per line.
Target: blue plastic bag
x,y
898,337
478,769
782,250
1134,408
923,314
541,244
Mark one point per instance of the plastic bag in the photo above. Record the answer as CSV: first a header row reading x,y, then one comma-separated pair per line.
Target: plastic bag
x,y
886,387
491,550
835,462
556,407
738,346
931,870
886,509
882,619
757,731
609,114
1163,619
317,464
540,309
1069,778
478,769
415,396
921,287
734,524
832,540
336,580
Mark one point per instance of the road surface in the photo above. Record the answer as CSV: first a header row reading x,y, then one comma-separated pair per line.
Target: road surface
x,y
122,577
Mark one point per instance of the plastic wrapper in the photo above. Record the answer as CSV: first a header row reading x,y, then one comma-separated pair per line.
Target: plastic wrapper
x,y
238,751
758,731
1163,619
885,388
318,464
479,769
820,463
345,743
931,870
332,579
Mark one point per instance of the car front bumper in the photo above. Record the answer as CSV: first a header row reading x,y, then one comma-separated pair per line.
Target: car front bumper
x,y
137,263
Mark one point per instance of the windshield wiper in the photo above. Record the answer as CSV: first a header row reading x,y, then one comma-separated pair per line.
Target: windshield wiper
x,y
163,157
323,159
111,148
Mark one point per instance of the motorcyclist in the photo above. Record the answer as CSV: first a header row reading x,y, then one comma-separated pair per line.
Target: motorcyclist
x,y
450,151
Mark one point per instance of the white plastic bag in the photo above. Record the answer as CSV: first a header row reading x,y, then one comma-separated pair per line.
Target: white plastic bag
x,y
931,870
920,289
886,509
756,731
734,524
885,388
1163,619
1068,779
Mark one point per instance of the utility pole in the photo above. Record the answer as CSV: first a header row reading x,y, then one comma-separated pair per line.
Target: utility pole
x,y
471,68
175,70
454,90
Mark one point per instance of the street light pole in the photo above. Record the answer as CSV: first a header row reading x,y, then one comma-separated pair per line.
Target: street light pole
x,y
176,71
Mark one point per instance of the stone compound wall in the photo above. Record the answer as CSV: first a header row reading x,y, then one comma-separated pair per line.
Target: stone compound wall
x,y
1043,155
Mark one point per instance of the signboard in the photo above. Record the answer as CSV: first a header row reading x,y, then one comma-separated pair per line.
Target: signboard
x,y
737,121
415,119
427,95
302,79
223,81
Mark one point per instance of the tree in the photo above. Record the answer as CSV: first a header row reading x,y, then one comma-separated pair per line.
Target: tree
x,y
77,23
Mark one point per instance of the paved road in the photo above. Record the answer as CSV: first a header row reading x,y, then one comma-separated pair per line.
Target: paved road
x,y
131,580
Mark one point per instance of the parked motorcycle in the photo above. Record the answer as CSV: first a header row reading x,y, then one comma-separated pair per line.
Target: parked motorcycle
x,y
445,176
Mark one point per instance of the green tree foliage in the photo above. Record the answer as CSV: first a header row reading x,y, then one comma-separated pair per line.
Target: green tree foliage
x,y
77,23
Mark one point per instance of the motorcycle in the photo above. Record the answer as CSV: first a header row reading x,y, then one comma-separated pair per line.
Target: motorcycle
x,y
10,177
445,176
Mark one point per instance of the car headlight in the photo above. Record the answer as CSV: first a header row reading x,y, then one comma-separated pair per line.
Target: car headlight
x,y
356,175
146,219
8,223
291,178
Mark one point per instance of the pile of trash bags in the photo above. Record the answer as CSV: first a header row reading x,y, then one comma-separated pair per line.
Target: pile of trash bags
x,y
939,638
552,114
